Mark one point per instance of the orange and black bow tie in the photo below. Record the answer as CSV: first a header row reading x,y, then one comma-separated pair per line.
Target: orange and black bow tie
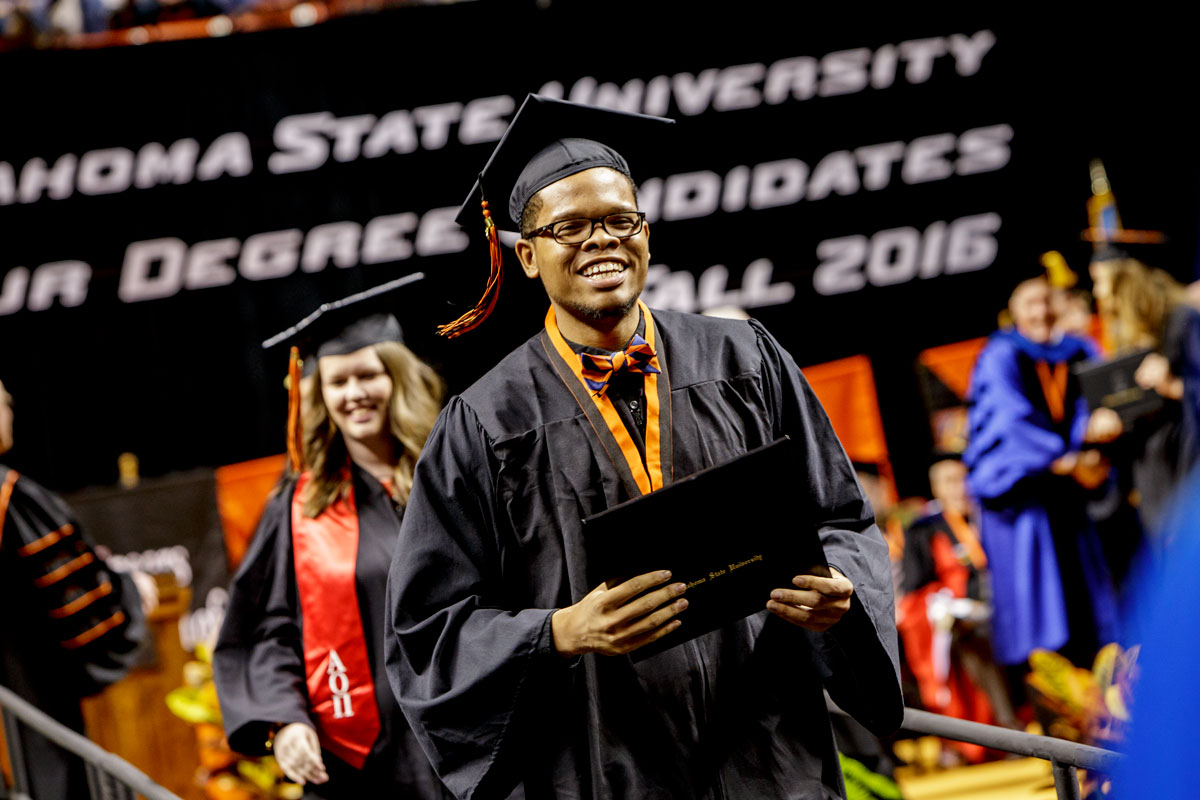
x,y
639,356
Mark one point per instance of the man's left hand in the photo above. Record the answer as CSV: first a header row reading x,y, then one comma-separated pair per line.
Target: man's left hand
x,y
816,603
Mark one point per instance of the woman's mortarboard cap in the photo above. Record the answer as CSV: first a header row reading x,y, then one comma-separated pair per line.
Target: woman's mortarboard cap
x,y
1149,253
547,140
346,325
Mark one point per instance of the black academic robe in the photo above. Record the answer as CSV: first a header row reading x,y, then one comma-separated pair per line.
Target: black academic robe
x,y
921,565
69,627
258,662
492,544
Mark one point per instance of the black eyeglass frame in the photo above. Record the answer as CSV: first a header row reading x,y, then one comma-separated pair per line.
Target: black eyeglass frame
x,y
641,215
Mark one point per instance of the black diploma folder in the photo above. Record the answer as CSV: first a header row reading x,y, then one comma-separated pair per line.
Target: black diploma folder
x,y
730,532
1110,384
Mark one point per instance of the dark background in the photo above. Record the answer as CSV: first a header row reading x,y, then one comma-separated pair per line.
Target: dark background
x,y
182,382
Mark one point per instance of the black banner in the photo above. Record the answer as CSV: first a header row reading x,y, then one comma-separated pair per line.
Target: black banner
x,y
861,188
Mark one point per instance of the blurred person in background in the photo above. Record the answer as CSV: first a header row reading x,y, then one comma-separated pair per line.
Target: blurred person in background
x,y
1073,314
879,495
1070,304
1160,744
1145,308
71,625
944,607
296,673
1031,469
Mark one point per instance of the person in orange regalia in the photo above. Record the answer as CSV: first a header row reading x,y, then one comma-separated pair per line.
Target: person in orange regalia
x,y
944,608
73,624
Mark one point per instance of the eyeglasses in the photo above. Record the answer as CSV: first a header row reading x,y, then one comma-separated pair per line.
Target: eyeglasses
x,y
578,231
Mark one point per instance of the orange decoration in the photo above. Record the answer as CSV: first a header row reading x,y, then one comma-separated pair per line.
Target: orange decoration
x,y
483,309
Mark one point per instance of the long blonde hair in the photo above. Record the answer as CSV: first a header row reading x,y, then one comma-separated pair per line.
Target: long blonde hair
x,y
1142,299
417,393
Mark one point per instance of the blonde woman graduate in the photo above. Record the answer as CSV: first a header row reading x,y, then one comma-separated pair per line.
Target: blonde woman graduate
x,y
299,662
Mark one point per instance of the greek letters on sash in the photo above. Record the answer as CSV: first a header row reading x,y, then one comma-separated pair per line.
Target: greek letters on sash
x,y
339,687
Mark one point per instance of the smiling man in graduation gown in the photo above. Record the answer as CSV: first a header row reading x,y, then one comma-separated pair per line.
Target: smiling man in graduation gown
x,y
511,666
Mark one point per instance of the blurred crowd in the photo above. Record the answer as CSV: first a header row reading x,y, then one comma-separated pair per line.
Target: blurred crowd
x,y
95,23
25,19
1013,580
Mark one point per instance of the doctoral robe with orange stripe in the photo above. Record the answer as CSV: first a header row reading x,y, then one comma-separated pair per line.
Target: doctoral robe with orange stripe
x,y
70,626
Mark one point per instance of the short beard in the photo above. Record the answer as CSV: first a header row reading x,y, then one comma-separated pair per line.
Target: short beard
x,y
601,317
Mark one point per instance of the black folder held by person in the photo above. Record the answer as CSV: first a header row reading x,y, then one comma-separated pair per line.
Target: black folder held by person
x,y
729,532
1109,383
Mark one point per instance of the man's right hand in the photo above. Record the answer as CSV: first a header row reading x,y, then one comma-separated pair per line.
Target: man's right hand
x,y
617,621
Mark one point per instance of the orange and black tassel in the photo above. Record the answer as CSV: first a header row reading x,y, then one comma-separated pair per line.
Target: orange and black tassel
x,y
295,446
491,293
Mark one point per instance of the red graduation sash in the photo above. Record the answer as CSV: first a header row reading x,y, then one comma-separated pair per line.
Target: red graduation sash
x,y
606,422
341,691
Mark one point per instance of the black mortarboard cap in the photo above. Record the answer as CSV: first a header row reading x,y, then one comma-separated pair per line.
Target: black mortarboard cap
x,y
547,140
1151,253
346,325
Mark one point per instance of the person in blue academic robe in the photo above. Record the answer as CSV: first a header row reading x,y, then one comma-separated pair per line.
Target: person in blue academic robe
x,y
1161,738
1031,471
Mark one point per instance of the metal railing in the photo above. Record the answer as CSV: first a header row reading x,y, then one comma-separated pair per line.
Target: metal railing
x,y
1064,757
109,775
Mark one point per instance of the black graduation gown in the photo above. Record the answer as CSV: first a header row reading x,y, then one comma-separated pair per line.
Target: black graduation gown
x,y
56,593
491,545
258,662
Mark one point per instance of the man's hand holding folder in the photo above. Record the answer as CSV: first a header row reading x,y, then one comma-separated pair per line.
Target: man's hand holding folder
x,y
731,534
816,603
619,620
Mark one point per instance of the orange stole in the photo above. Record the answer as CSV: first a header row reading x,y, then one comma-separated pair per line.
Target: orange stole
x,y
6,489
648,478
1054,387
341,691
968,538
